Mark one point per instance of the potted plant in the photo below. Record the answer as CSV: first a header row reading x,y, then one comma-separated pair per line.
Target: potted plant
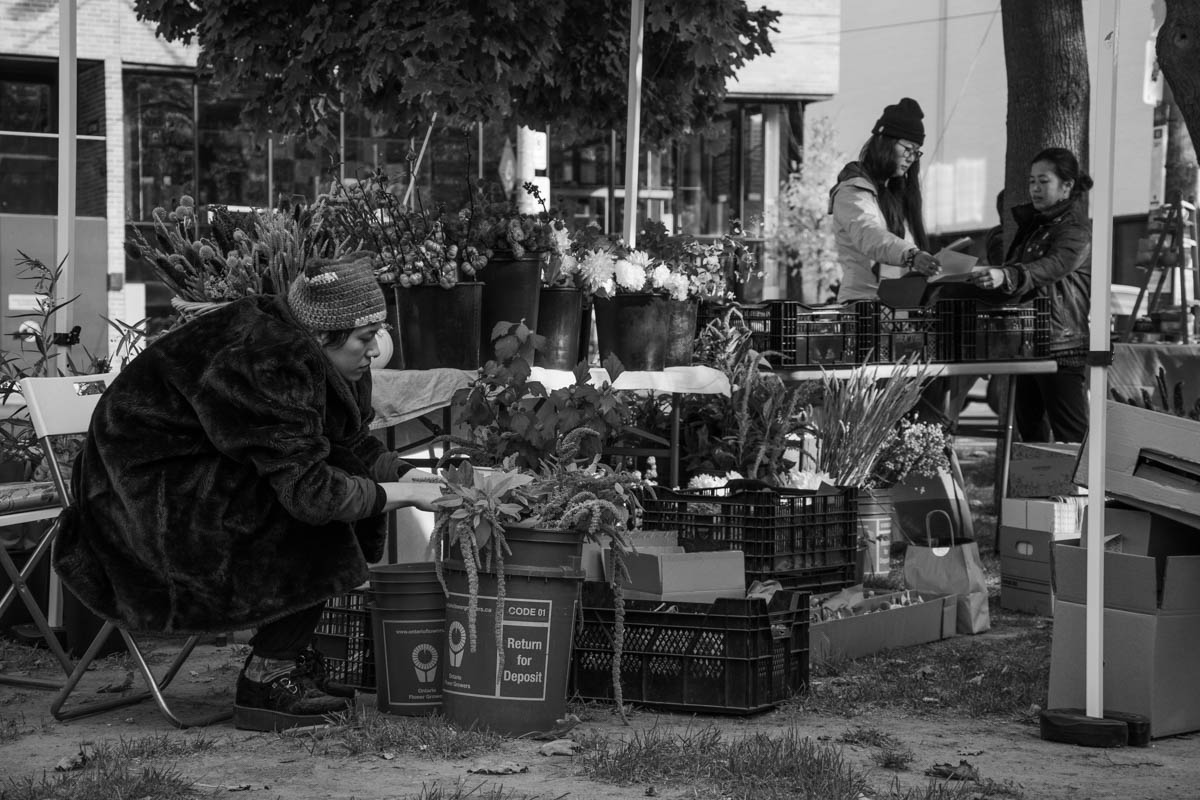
x,y
646,298
502,525
428,261
521,248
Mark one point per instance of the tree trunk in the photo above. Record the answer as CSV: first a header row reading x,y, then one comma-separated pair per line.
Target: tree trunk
x,y
1178,51
1048,89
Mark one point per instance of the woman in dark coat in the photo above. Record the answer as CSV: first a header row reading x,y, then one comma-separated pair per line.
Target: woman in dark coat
x,y
229,481
1051,257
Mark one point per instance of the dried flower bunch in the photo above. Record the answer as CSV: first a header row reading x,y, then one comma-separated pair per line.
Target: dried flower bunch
x,y
413,247
258,252
914,448
506,231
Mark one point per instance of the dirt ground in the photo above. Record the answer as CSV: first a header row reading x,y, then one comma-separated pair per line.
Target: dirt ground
x,y
304,767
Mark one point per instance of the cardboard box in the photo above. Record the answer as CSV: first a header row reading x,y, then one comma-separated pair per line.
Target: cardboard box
x,y
1152,461
1060,517
873,631
668,573
1042,470
1151,621
593,559
1025,570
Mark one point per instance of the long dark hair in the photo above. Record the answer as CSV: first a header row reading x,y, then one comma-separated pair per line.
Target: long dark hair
x,y
899,197
1066,167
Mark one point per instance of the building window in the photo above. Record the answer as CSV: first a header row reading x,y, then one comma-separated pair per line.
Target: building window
x,y
160,142
29,138
234,161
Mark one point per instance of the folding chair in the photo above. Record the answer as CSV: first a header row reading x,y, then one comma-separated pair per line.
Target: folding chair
x,y
62,407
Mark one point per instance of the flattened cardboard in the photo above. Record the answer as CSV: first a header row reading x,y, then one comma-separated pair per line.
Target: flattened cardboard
x,y
1149,665
593,560
1152,461
1042,470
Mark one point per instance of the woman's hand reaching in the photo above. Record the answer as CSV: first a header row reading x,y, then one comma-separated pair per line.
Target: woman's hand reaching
x,y
926,264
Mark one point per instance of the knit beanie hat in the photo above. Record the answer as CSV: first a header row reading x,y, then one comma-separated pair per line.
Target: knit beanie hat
x,y
902,121
337,295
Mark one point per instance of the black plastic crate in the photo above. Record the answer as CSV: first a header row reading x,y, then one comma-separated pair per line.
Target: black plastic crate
x,y
1004,332
889,335
772,325
344,637
805,540
733,656
828,337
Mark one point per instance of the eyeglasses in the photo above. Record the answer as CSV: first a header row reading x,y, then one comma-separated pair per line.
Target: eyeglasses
x,y
911,151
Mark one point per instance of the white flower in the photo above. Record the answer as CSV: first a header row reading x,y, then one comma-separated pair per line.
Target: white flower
x,y
560,239
568,264
630,276
677,287
596,268
805,479
659,276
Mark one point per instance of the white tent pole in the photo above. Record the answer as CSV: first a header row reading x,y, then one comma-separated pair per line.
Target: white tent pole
x,y
412,180
1103,135
64,249
633,121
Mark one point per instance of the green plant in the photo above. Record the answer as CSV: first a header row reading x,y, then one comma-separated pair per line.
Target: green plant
x,y
514,420
858,418
45,352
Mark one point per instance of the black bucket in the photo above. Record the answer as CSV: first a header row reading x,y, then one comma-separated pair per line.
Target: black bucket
x,y
511,293
435,328
634,327
560,313
408,618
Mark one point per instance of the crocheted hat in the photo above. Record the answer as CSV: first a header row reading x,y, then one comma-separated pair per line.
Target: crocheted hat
x,y
337,295
902,121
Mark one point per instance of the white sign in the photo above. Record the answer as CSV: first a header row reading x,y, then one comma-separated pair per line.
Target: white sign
x,y
23,302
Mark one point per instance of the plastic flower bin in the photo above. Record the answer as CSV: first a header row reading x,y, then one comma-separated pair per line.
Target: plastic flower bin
x,y
733,656
988,332
827,337
771,325
806,540
344,637
888,335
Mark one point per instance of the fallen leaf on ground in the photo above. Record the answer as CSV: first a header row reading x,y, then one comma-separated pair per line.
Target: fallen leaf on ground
x,y
963,772
71,763
561,727
977,680
559,747
498,768
387,755
117,688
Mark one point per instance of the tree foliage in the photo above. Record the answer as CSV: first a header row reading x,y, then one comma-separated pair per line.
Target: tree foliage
x,y
804,239
550,62
1177,49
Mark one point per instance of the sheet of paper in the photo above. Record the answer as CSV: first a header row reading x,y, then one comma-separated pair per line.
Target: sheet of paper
x,y
955,266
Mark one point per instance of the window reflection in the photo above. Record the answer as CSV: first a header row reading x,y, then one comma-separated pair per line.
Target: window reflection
x,y
160,142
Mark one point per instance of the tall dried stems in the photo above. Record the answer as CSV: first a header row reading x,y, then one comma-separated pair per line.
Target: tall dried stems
x,y
858,416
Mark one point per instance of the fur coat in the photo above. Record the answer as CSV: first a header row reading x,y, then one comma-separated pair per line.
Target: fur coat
x,y
203,499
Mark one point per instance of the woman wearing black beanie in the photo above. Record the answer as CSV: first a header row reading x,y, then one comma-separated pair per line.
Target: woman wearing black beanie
x,y
876,206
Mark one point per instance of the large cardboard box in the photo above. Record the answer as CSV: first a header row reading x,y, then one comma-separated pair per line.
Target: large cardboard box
x,y
1042,470
1151,622
669,574
1152,461
1025,571
874,630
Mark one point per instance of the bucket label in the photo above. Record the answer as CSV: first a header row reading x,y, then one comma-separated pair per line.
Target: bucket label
x,y
526,649
413,661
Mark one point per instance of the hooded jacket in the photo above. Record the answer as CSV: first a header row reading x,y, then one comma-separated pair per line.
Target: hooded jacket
x,y
1051,256
866,248
206,495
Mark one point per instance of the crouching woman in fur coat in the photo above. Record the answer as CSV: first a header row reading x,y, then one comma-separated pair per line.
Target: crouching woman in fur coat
x,y
229,481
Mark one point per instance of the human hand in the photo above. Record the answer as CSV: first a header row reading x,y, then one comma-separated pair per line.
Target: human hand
x,y
988,278
417,494
926,264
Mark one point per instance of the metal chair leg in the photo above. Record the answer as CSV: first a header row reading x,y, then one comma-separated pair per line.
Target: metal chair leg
x,y
21,588
155,685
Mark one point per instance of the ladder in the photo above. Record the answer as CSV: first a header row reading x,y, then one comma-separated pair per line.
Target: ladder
x,y
1168,249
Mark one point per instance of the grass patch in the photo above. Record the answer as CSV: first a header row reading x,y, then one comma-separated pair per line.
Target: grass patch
x,y
365,730
103,778
999,674
19,658
867,737
896,758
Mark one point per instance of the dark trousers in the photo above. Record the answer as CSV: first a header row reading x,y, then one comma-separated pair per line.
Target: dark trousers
x,y
286,638
1054,407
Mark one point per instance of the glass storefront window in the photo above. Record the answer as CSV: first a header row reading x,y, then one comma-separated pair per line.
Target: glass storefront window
x,y
705,192
160,142
29,138
299,170
233,160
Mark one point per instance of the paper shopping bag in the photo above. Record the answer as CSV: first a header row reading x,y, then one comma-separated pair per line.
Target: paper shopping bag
x,y
950,566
